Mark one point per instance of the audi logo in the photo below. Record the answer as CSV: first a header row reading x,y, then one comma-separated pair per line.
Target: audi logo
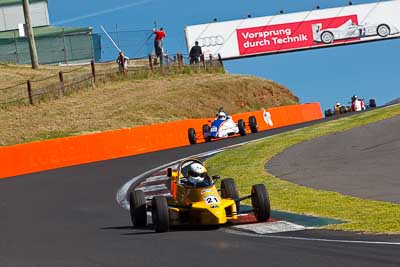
x,y
211,41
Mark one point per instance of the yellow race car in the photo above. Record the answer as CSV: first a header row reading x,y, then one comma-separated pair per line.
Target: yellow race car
x,y
195,200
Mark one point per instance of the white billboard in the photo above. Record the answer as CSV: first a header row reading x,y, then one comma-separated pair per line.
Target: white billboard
x,y
297,31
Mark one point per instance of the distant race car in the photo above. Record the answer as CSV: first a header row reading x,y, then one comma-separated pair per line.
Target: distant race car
x,y
350,30
337,110
196,204
356,104
222,128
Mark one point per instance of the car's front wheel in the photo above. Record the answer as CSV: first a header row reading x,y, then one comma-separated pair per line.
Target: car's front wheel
x,y
260,202
229,190
160,215
327,37
383,30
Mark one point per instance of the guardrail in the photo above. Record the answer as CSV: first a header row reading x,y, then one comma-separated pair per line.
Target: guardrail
x,y
63,152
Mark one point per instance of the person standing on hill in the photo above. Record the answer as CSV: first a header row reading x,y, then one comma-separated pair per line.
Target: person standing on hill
x,y
122,62
195,53
158,47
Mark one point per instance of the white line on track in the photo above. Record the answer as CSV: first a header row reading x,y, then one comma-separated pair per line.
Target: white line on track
x,y
314,239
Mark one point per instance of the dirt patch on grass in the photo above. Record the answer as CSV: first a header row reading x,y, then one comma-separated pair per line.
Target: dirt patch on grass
x,y
129,103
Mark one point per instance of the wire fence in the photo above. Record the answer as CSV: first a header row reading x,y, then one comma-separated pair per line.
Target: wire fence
x,y
135,44
83,46
86,76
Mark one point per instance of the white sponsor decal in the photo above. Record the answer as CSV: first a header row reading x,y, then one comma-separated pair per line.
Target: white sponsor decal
x,y
268,118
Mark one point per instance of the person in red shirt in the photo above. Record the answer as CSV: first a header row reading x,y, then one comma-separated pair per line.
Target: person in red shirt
x,y
160,35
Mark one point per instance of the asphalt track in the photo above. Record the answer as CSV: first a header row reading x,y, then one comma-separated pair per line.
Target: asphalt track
x,y
363,162
69,217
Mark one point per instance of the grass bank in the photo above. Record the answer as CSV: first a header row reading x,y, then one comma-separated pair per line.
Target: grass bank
x,y
247,165
140,99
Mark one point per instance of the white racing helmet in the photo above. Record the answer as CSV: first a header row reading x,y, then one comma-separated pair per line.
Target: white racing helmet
x,y
196,173
222,115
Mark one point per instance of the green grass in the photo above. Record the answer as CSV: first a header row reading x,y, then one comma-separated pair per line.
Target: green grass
x,y
247,165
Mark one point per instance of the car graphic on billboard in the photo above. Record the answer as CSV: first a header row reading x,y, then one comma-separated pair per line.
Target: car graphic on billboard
x,y
350,30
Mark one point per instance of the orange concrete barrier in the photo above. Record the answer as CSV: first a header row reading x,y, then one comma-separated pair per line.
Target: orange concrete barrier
x,y
57,153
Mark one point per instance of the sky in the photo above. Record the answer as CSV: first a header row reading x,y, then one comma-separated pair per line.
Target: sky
x,y
369,70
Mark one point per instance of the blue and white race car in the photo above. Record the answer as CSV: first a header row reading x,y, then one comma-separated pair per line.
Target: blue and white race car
x,y
223,126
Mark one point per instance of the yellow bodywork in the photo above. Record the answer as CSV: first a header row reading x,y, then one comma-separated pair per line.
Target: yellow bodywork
x,y
198,206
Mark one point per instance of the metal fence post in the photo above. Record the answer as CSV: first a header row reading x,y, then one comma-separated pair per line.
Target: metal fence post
x,y
167,59
150,63
203,61
61,76
180,60
28,83
93,71
220,60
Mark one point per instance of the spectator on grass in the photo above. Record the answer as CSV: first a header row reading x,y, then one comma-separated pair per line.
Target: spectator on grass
x,y
122,62
195,53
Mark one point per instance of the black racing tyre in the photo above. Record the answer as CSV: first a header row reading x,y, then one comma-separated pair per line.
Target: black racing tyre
x,y
160,215
372,103
229,190
253,124
327,37
342,110
328,113
383,30
206,129
260,202
138,210
192,136
242,128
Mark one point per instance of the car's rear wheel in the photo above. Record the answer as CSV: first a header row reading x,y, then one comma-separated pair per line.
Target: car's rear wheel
x,y
160,214
206,132
138,211
327,37
328,113
192,136
253,124
229,190
242,128
383,30
342,110
260,202
372,103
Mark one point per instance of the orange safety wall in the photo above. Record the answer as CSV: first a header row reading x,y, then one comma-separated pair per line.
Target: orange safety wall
x,y
69,151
